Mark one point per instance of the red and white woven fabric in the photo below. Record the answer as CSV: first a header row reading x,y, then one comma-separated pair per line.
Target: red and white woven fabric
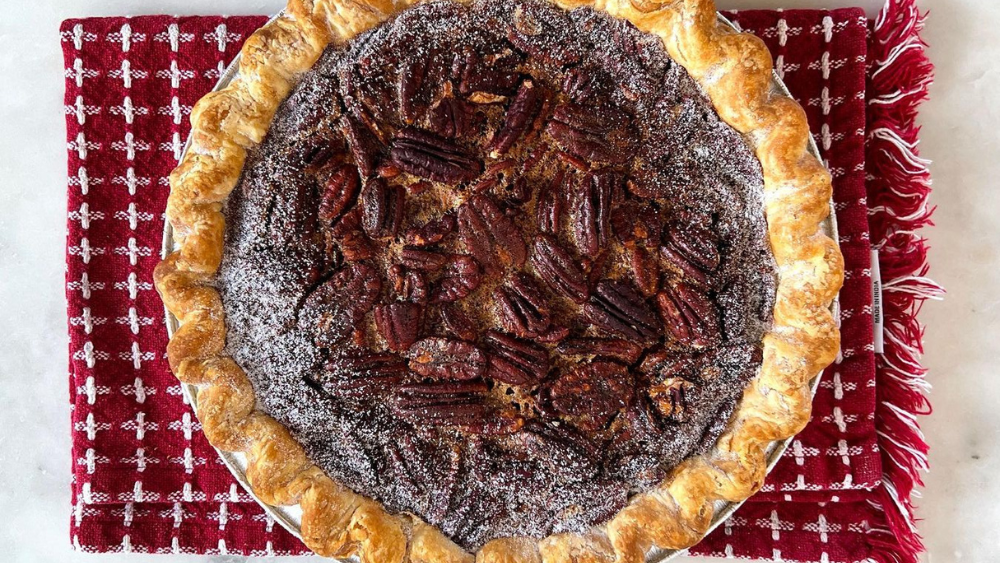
x,y
146,480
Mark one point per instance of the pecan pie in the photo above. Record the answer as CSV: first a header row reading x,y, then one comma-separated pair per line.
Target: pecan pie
x,y
533,280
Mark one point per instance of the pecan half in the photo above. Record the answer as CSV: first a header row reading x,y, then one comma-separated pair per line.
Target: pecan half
x,y
398,323
586,83
648,181
319,154
514,361
292,215
336,307
431,232
558,269
591,212
608,348
562,449
489,235
460,404
521,117
523,309
428,470
592,133
457,323
381,208
339,192
689,315
698,245
419,402
462,275
427,155
444,358
684,268
551,202
361,373
422,260
411,81
645,269
369,102
452,118
354,244
365,147
618,307
474,74
592,393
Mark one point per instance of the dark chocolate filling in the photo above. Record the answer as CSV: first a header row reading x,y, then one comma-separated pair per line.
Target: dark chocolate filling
x,y
500,266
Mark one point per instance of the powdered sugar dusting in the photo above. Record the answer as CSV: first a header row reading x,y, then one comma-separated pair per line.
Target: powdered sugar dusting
x,y
546,477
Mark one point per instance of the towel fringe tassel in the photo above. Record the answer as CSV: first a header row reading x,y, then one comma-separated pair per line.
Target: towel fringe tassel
x,y
898,186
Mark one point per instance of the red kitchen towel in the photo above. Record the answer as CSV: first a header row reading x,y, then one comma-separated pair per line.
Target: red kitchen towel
x,y
146,480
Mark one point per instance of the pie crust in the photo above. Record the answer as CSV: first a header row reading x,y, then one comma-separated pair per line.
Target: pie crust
x,y
734,69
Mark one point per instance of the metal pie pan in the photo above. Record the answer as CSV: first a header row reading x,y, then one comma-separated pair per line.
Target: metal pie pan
x,y
290,517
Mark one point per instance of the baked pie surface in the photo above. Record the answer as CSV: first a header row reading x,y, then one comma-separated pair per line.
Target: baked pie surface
x,y
443,267
503,270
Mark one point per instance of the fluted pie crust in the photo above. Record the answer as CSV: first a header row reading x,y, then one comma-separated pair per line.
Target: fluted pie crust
x,y
734,69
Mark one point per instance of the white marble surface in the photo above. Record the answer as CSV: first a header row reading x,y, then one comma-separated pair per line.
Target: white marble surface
x,y
959,509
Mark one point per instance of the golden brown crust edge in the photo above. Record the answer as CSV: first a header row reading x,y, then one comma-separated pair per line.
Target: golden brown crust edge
x,y
735,71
